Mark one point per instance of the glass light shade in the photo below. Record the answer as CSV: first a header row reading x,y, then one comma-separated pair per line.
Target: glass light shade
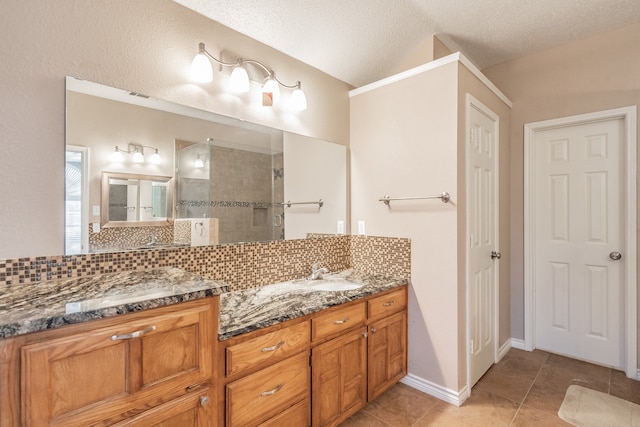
x,y
272,86
138,157
155,158
117,156
198,163
298,100
239,80
201,70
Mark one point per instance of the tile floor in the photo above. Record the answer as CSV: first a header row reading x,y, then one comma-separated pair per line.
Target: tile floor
x,y
524,389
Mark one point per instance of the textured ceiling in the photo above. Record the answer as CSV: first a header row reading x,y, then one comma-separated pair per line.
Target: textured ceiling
x,y
357,41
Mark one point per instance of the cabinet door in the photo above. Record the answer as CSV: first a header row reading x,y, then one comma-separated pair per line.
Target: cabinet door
x,y
103,376
387,353
339,378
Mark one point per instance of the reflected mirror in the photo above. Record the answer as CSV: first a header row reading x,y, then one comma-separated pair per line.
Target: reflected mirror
x,y
224,180
131,200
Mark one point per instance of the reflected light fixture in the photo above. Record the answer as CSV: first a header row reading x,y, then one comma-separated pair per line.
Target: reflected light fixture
x,y
198,163
202,71
137,150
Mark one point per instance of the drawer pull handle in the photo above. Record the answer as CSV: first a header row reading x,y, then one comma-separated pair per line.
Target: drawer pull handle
x,y
341,322
388,304
272,392
132,335
274,348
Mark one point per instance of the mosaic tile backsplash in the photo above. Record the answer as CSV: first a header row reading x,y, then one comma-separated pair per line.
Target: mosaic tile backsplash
x,y
241,266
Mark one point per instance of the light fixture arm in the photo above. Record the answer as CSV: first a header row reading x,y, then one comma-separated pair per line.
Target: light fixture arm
x,y
270,73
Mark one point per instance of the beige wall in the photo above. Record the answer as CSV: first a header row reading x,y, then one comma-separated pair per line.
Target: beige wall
x,y
408,139
143,45
403,143
593,74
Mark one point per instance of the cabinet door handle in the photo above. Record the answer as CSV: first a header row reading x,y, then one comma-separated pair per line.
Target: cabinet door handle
x,y
204,400
132,335
340,322
272,392
374,330
274,348
388,304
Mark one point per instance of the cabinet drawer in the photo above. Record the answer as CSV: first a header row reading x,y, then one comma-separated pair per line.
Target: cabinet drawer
x,y
337,321
264,394
296,416
270,347
191,410
387,304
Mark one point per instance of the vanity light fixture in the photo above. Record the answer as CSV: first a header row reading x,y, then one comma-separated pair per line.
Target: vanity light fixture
x,y
201,71
137,150
198,163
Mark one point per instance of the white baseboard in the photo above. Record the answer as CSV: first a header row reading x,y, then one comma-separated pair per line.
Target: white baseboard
x,y
435,390
517,343
504,350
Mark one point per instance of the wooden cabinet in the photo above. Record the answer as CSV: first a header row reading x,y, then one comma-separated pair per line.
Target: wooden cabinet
x,y
336,321
339,378
358,350
148,368
267,348
387,353
267,378
264,394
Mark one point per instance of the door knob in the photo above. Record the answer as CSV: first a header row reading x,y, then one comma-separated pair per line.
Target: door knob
x,y
496,255
615,256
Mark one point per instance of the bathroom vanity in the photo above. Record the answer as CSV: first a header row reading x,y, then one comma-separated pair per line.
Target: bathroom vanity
x,y
166,347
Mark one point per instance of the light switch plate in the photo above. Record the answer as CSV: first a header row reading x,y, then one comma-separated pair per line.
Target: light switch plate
x,y
361,230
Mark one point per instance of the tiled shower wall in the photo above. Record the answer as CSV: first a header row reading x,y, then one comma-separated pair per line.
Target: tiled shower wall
x,y
241,266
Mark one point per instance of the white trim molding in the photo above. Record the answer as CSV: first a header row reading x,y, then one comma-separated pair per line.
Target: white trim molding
x,y
628,115
454,397
517,343
454,57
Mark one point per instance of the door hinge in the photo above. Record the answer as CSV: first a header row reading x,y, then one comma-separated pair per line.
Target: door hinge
x,y
471,348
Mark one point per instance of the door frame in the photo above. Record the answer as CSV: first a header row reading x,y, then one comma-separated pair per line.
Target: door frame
x,y
628,115
473,102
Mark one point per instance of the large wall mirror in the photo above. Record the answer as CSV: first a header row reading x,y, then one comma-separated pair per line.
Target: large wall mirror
x,y
221,180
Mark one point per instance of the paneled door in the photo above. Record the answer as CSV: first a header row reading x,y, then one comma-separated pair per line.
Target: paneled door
x,y
482,220
579,238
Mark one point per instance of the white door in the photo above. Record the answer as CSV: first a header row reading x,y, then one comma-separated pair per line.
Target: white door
x,y
482,198
579,235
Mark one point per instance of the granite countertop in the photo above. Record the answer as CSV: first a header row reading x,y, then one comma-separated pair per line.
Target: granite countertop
x,y
51,304
252,309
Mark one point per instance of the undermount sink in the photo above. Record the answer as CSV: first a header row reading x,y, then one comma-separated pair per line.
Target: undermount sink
x,y
335,285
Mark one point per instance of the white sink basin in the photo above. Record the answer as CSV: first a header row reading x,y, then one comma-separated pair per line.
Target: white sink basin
x,y
335,285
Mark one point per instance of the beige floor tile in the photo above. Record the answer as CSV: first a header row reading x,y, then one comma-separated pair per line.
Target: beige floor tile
x,y
363,419
519,365
514,388
560,374
401,405
481,409
625,388
545,399
529,417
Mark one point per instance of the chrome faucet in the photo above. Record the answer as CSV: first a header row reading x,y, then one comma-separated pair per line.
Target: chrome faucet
x,y
317,272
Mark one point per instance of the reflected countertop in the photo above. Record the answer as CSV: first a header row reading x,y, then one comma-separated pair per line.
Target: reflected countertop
x,y
252,309
52,304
